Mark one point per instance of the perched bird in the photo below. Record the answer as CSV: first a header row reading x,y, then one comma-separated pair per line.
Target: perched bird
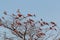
x,y
5,13
40,34
31,20
3,18
45,23
53,23
41,23
18,10
29,14
0,22
13,14
17,22
41,19
19,14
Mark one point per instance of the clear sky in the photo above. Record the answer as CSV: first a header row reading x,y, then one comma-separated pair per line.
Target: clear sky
x,y
47,9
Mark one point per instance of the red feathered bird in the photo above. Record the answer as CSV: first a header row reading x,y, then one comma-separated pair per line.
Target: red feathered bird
x,y
31,20
19,15
17,22
29,14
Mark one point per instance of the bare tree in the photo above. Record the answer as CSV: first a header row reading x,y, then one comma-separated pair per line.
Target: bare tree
x,y
25,27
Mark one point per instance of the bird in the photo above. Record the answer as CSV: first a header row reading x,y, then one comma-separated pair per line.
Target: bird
x,y
17,22
19,14
0,22
53,23
29,14
5,13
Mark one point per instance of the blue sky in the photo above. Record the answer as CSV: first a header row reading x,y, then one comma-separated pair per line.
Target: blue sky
x,y
49,10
